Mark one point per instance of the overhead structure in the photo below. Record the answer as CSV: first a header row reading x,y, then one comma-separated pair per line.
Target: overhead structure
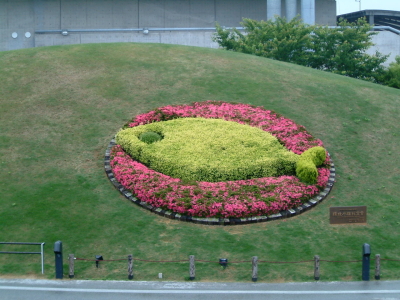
x,y
387,22
375,17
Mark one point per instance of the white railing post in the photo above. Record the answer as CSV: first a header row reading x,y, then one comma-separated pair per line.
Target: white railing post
x,y
42,255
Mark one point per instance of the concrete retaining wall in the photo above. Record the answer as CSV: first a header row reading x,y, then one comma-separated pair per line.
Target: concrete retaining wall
x,y
17,18
387,43
324,12
188,38
21,20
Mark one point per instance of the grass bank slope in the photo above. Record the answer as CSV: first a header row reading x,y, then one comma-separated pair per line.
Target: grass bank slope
x,y
60,106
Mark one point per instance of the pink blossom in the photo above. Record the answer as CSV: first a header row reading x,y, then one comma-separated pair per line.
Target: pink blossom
x,y
242,198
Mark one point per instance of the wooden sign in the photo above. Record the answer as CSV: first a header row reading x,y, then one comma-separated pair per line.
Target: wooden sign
x,y
348,215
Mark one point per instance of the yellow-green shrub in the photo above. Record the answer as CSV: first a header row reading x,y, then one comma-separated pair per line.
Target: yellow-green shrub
x,y
129,138
316,154
209,150
306,171
306,166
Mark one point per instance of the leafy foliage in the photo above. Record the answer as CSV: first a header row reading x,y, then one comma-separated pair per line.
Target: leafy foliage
x,y
209,150
306,171
339,50
134,140
392,75
306,166
150,137
278,39
316,154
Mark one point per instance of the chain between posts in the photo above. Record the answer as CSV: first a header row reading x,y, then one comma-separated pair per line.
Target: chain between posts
x,y
192,269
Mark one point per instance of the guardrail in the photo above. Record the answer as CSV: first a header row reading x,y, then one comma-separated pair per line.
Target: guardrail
x,y
23,252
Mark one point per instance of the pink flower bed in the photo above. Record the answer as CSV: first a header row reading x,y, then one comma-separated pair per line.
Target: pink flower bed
x,y
242,198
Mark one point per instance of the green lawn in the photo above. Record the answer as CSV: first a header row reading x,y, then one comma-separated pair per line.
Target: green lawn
x,y
60,107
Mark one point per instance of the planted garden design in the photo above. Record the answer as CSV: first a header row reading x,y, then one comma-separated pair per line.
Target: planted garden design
x,y
220,161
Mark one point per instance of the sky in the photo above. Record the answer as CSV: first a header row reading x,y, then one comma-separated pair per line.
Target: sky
x,y
347,6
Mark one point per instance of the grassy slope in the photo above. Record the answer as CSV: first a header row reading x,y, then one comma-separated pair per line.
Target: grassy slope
x,y
60,106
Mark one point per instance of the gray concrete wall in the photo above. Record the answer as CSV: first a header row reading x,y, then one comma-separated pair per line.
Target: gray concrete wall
x,y
387,43
95,14
188,38
325,12
25,17
230,15
17,18
47,14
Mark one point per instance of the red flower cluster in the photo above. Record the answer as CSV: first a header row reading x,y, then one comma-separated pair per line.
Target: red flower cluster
x,y
242,198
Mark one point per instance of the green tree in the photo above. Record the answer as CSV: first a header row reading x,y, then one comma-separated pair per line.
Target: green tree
x,y
340,50
279,39
392,76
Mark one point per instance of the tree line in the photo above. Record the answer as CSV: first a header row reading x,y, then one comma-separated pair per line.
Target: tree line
x,y
340,50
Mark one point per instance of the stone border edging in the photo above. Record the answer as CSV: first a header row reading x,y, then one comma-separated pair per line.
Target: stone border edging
x,y
218,221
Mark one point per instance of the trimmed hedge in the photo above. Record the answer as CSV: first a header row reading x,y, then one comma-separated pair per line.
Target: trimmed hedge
x,y
210,150
150,137
306,166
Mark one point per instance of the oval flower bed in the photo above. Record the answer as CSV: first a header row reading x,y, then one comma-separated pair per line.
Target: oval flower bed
x,y
228,199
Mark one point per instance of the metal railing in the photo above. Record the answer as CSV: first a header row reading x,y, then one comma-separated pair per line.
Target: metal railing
x,y
386,28
145,29
24,252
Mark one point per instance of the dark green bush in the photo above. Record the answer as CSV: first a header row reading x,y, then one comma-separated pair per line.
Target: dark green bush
x,y
150,137
392,75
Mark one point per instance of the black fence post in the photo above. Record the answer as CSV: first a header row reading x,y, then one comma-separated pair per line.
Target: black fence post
x,y
366,262
58,259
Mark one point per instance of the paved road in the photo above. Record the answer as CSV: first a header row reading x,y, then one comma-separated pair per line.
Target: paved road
x,y
120,290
